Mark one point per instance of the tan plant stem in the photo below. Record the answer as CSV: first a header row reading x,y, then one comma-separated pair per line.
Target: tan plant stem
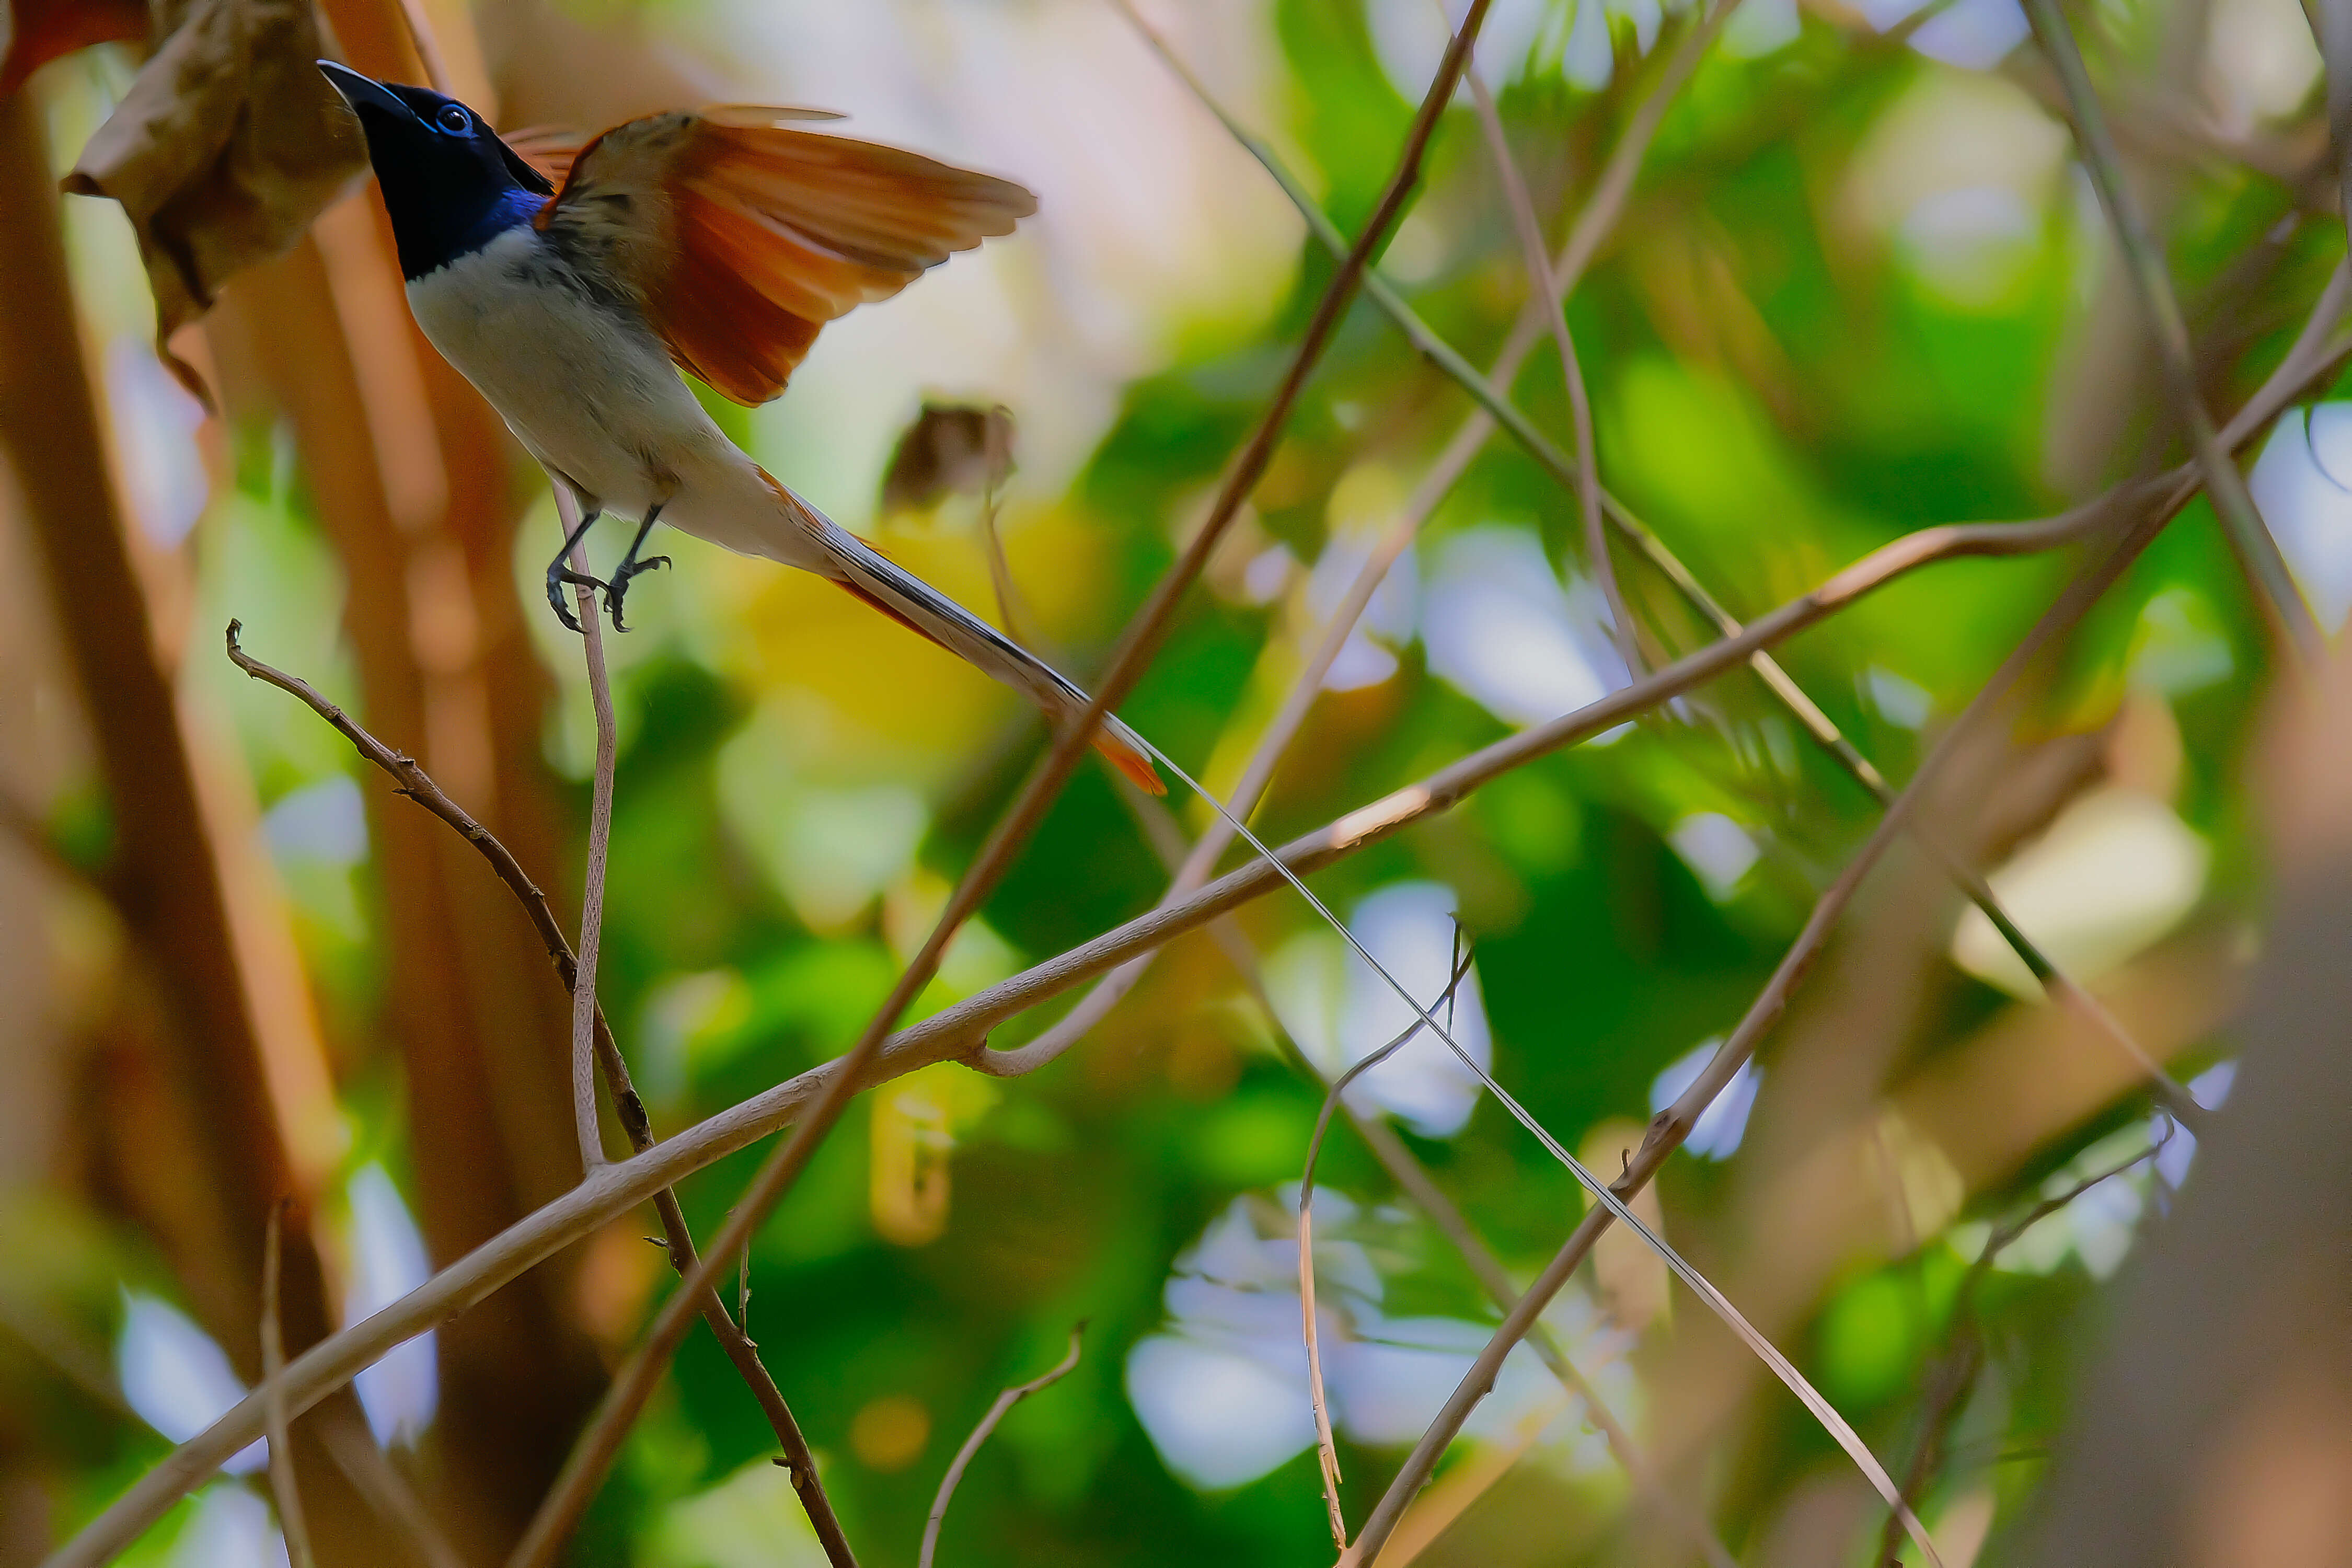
x,y
2257,550
593,1454
413,782
600,840
997,1411
956,1031
290,1520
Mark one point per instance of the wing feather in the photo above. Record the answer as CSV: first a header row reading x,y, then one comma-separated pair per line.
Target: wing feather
x,y
741,235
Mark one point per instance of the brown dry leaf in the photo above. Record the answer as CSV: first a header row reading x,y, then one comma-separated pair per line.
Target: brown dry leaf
x,y
951,449
226,148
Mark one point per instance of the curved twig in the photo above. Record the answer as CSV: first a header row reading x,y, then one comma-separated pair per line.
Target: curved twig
x,y
979,1433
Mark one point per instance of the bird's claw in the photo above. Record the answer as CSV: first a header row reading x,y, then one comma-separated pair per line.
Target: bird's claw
x,y
618,588
556,578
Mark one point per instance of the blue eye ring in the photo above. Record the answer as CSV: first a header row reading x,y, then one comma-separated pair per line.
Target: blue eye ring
x,y
452,118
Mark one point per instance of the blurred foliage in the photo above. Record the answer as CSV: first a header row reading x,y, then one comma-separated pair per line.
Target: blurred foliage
x,y
1827,317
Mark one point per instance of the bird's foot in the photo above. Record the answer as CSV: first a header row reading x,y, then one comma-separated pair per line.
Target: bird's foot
x,y
558,576
618,588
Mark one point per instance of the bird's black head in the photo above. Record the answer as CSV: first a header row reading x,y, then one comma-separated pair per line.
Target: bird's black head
x,y
449,183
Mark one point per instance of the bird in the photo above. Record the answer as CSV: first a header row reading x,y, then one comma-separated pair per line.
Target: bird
x,y
714,241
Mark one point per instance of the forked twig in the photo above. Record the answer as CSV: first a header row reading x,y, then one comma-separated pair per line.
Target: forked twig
x,y
2257,550
413,782
979,1433
291,1521
593,1454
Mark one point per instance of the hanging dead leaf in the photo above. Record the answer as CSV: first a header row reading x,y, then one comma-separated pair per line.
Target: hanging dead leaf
x,y
35,32
951,449
227,145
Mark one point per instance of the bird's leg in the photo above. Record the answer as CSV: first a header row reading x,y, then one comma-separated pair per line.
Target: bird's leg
x,y
630,566
559,572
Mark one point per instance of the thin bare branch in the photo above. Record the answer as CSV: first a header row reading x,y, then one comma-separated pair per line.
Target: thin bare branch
x,y
1963,1354
1547,286
996,435
1823,1412
2257,551
593,1454
2334,32
413,782
1496,403
1672,1125
291,1519
600,840
996,1412
1410,1174
1608,199
375,1477
1414,1181
959,1030
1326,1449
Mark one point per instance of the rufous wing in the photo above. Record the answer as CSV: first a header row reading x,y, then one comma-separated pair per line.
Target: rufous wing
x,y
742,235
550,149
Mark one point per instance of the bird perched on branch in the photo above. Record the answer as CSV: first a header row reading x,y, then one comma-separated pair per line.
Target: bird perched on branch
x,y
717,240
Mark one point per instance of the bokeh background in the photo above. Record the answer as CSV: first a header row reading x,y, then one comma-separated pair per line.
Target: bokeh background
x,y
1859,286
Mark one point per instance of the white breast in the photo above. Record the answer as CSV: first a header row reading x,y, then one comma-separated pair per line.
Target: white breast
x,y
588,390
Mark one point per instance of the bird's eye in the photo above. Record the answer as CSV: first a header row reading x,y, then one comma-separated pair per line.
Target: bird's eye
x,y
452,118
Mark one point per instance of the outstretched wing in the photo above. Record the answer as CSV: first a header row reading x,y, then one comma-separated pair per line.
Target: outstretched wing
x,y
741,235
